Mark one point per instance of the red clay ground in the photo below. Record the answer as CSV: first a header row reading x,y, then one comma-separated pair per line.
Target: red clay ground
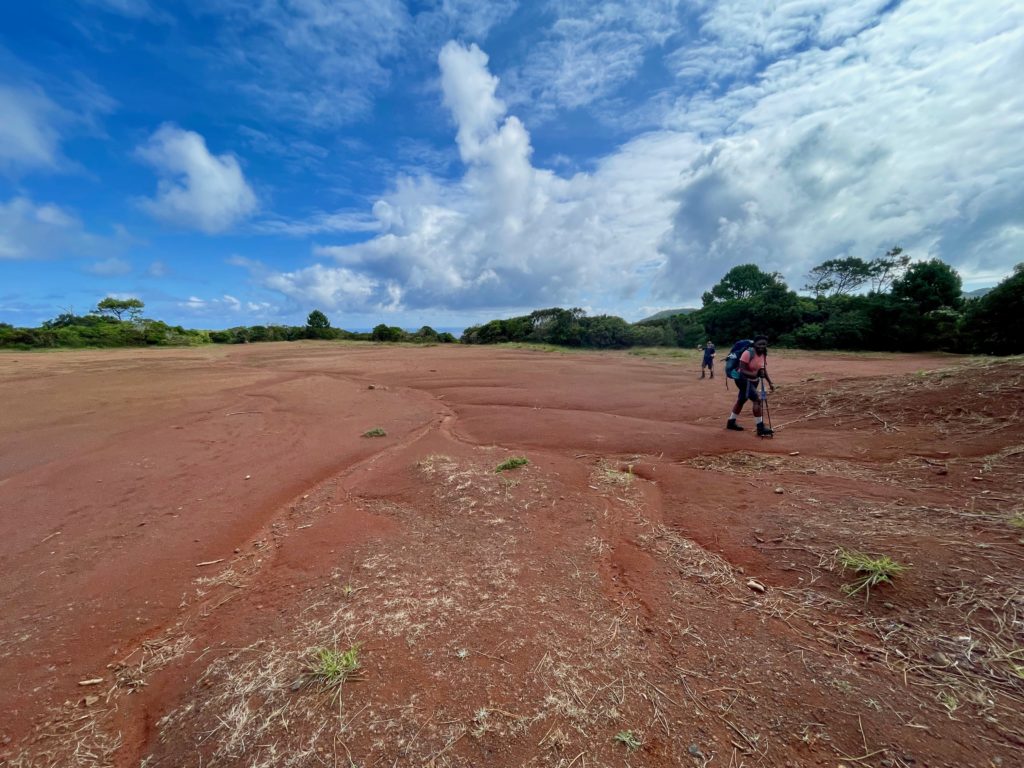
x,y
188,527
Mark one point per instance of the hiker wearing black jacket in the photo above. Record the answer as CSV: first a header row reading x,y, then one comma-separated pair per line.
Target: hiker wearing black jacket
x,y
752,368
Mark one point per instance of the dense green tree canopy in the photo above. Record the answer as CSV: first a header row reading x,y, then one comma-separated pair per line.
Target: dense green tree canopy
x,y
742,282
930,285
994,324
317,319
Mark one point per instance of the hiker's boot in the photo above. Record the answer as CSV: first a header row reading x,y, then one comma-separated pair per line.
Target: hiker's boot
x,y
702,375
712,374
731,424
764,431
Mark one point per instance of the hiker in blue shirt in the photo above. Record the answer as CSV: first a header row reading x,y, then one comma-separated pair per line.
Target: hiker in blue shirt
x,y
709,360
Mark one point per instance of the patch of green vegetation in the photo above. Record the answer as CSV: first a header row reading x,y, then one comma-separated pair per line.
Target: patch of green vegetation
x,y
661,353
629,739
949,701
872,570
331,667
1017,519
375,432
543,347
513,463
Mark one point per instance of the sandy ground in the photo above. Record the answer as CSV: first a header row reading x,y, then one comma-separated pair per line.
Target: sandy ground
x,y
187,530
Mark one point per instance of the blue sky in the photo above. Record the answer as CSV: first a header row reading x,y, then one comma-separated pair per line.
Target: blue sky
x,y
237,162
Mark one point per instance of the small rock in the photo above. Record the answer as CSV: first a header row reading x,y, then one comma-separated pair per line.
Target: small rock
x,y
372,386
90,700
237,550
756,585
248,477
794,453
780,490
695,751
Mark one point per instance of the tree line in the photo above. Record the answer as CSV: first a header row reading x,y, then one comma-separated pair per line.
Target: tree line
x,y
120,323
908,307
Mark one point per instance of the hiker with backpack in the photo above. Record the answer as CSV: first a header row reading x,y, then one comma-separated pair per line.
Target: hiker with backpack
x,y
747,366
709,360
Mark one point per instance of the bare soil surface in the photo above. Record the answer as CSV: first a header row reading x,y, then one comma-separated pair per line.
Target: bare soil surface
x,y
206,563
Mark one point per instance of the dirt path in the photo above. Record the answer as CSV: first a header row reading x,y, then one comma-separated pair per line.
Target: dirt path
x,y
188,525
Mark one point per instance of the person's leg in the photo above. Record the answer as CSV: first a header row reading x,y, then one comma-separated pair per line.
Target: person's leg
x,y
741,385
711,367
755,404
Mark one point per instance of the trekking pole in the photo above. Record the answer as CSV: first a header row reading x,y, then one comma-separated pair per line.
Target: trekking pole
x,y
767,411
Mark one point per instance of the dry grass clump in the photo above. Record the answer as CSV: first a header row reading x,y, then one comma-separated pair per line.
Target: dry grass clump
x,y
689,558
893,402
629,739
152,655
375,432
611,475
739,462
72,739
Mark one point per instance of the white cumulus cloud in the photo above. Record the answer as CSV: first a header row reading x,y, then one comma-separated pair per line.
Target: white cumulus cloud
x,y
906,130
830,132
197,190
332,287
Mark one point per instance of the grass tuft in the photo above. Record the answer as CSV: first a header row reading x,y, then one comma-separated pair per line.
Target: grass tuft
x,y
514,463
375,432
331,667
873,571
630,739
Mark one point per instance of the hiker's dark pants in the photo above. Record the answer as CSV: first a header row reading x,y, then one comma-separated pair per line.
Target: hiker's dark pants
x,y
709,362
748,391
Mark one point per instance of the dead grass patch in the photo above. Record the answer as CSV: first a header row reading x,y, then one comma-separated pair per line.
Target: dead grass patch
x,y
71,738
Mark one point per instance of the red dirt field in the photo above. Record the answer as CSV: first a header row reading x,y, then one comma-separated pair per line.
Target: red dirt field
x,y
183,533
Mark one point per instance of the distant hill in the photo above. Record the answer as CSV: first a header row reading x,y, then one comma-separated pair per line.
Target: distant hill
x,y
976,294
668,313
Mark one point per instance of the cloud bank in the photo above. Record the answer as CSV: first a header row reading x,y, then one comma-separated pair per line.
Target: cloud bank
x,y
796,134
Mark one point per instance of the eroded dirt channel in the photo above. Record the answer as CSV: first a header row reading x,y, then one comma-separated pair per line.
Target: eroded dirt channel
x,y
184,533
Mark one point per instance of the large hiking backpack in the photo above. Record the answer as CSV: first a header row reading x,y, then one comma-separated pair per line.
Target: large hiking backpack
x,y
732,362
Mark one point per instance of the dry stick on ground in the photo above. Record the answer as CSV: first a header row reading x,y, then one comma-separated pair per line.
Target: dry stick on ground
x,y
885,424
